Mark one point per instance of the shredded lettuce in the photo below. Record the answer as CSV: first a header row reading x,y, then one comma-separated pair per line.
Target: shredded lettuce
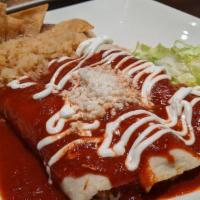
x,y
182,61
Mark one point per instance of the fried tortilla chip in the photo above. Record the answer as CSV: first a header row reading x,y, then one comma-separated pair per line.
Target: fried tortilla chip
x,y
32,19
15,27
23,23
3,22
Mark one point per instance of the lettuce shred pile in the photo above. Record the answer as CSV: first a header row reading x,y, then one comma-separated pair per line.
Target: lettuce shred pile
x,y
182,61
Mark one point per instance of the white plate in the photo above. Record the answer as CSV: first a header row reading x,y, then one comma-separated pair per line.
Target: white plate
x,y
130,21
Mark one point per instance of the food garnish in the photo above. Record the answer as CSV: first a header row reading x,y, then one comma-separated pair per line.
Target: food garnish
x,y
181,61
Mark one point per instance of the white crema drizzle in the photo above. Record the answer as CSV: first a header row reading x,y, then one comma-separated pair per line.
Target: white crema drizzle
x,y
85,50
15,84
56,123
178,109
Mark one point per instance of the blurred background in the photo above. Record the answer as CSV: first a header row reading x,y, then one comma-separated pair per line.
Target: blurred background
x,y
190,6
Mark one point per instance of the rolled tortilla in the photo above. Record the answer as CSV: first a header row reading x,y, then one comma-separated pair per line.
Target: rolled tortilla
x,y
84,154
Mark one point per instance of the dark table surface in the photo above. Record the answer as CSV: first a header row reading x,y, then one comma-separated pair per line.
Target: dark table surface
x,y
189,6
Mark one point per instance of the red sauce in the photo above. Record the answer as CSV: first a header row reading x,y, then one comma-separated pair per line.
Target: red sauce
x,y
29,118
21,175
184,184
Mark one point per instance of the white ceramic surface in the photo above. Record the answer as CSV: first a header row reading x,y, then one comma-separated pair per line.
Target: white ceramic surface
x,y
130,21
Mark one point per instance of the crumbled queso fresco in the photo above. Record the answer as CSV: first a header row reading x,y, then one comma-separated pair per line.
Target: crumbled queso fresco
x,y
96,89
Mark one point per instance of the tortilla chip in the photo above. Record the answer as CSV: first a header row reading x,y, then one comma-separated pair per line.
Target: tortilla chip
x,y
3,22
15,27
32,19
74,25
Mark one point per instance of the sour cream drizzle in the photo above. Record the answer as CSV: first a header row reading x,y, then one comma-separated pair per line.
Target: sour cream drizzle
x,y
179,108
59,154
15,84
161,127
86,50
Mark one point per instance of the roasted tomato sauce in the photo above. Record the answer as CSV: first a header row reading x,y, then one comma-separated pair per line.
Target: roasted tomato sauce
x,y
23,177
21,174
